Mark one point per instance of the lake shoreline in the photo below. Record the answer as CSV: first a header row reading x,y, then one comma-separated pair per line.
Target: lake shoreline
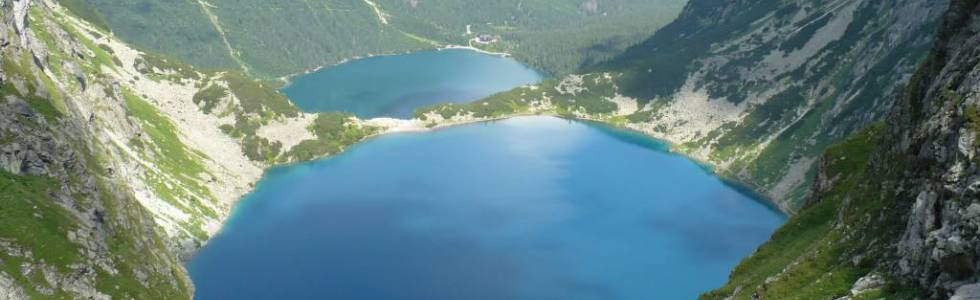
x,y
412,126
538,176
287,80
397,85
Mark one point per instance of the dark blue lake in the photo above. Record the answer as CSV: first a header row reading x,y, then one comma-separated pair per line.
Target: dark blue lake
x,y
526,208
394,86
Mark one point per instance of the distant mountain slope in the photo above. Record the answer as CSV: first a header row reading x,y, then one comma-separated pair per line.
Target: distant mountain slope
x,y
756,88
275,38
761,88
895,211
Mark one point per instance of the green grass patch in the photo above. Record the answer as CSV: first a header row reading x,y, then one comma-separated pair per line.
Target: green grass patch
x,y
334,132
591,99
209,98
501,104
973,121
135,250
22,71
171,158
55,55
259,97
31,219
810,256
260,149
164,134
101,57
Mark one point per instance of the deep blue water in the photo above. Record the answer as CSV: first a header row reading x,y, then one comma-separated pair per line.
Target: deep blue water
x,y
394,86
526,208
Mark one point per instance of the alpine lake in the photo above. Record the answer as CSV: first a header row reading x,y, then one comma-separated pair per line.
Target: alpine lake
x,y
524,208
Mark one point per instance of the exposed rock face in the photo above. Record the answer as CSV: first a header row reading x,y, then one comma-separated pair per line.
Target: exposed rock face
x,y
19,15
909,210
10,290
934,130
867,283
895,208
967,292
36,152
51,164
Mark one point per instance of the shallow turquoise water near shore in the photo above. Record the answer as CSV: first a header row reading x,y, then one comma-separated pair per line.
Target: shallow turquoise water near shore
x,y
394,86
526,208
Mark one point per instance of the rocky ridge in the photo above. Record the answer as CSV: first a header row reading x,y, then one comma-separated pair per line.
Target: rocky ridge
x,y
894,212
64,216
129,152
934,131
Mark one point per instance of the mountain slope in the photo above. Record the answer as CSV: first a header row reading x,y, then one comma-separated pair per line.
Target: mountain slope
x,y
758,89
115,163
773,83
276,38
70,229
126,160
895,212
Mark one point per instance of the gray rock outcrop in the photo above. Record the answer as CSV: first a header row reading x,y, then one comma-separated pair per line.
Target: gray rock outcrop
x,y
933,132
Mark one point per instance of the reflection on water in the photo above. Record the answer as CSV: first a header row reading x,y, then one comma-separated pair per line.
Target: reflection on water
x,y
526,208
394,86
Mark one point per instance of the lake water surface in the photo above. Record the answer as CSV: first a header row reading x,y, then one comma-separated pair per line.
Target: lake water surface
x,y
394,86
526,208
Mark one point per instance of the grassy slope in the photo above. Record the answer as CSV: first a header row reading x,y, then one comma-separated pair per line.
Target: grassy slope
x,y
31,220
820,252
862,214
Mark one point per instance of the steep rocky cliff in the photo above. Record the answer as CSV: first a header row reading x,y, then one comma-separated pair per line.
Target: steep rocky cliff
x,y
934,131
69,228
895,210
115,163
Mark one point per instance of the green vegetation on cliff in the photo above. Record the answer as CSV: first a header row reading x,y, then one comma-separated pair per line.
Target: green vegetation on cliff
x,y
893,212
172,159
33,235
838,238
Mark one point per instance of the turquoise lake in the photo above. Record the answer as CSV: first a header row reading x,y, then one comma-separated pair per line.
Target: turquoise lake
x,y
524,208
394,86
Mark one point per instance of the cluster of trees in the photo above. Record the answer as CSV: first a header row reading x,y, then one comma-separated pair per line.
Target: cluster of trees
x,y
273,38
